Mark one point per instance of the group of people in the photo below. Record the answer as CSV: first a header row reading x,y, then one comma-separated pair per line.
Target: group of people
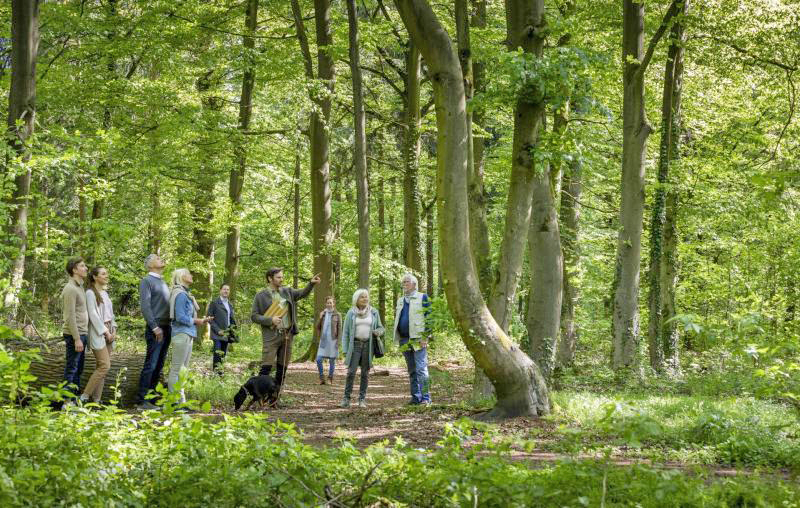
x,y
172,318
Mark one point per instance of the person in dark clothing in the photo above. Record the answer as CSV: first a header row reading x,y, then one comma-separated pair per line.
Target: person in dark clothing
x,y
154,303
223,323
275,309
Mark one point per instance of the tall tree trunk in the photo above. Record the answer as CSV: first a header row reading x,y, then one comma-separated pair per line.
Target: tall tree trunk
x,y
519,385
412,239
569,214
525,29
296,219
21,108
663,335
236,180
546,263
430,288
382,250
478,224
635,131
154,224
320,167
362,188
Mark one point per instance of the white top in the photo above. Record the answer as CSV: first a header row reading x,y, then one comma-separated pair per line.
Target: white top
x,y
97,320
108,310
363,326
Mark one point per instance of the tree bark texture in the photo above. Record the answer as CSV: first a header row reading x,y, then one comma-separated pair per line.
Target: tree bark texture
x,y
478,223
320,166
22,110
360,149
543,318
430,286
569,215
382,249
238,170
519,386
635,131
663,338
412,244
524,26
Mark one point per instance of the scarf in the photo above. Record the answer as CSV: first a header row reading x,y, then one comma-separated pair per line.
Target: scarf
x,y
362,313
407,298
173,295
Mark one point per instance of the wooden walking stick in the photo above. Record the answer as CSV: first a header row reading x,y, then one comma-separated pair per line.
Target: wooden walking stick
x,y
285,368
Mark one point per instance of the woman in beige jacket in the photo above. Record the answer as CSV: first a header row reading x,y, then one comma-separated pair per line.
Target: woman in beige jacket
x,y
102,331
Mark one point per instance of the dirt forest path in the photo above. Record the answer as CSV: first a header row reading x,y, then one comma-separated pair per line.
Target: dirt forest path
x,y
314,408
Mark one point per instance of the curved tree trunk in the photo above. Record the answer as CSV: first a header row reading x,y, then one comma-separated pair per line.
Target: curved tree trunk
x,y
236,181
362,186
519,386
21,107
524,27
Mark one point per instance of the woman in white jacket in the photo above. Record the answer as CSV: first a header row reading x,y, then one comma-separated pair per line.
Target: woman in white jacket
x,y
102,331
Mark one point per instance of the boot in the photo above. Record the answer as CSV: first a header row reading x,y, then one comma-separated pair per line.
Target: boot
x,y
265,370
279,373
321,380
330,379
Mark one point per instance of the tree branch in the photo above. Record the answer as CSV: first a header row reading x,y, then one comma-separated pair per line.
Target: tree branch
x,y
672,11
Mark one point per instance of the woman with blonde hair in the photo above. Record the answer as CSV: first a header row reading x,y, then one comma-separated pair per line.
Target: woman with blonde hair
x,y
102,331
183,315
361,324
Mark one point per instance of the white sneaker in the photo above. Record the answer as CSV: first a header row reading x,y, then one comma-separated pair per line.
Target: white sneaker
x,y
362,403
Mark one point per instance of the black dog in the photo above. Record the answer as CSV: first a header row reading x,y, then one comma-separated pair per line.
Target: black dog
x,y
262,388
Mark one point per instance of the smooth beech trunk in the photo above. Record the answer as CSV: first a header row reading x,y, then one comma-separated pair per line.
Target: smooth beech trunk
x,y
635,131
520,388
236,179
320,166
360,149
525,29
543,319
21,108
569,214
412,239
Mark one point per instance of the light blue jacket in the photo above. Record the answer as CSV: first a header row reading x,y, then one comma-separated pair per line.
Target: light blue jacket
x,y
349,333
184,316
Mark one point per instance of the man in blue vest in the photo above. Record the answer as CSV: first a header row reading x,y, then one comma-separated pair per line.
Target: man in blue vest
x,y
412,333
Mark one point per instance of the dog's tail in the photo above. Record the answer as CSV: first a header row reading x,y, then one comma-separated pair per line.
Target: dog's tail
x,y
239,398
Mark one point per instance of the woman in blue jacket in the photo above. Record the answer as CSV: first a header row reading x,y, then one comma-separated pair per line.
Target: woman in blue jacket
x,y
183,316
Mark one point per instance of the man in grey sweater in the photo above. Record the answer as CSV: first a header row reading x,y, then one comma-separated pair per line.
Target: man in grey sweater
x,y
76,323
154,302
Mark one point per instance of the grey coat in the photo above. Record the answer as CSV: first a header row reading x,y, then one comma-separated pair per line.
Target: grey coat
x,y
349,333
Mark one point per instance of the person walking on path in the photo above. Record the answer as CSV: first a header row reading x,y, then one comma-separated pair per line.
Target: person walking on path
x,y
275,309
412,333
223,323
76,324
329,329
361,324
183,319
102,332
154,303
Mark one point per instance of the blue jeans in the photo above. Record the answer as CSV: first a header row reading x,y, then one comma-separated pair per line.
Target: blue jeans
x,y
331,365
417,365
153,361
74,365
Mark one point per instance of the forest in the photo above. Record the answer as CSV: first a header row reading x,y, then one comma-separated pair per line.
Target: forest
x,y
601,201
